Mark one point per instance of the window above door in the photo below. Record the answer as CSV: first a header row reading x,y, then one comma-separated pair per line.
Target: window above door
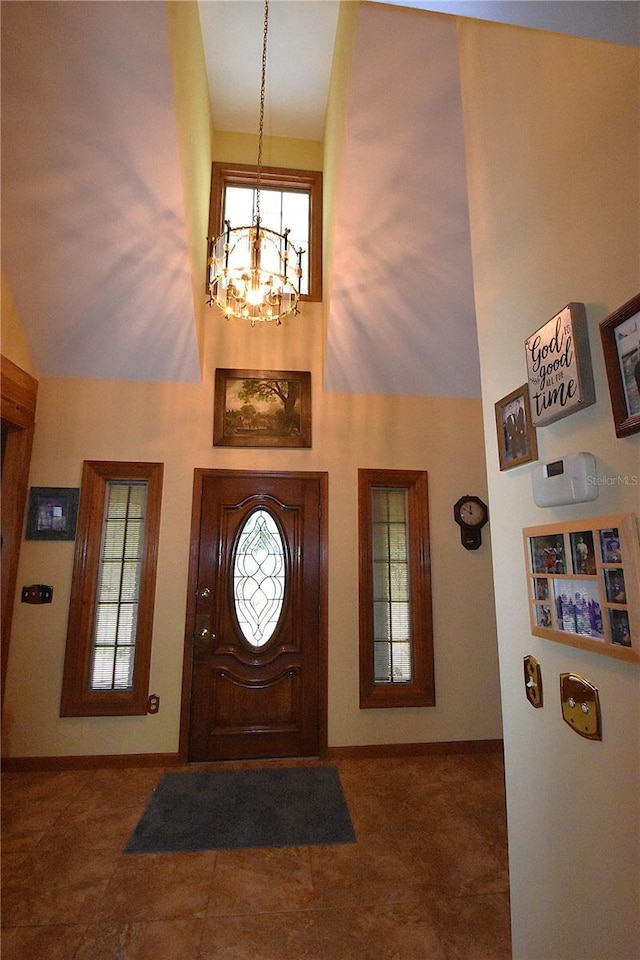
x,y
288,199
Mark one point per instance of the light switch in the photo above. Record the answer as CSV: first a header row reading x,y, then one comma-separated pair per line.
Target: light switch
x,y
580,706
533,681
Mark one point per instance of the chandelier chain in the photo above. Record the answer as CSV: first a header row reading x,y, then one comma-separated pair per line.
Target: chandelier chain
x,y
263,75
250,271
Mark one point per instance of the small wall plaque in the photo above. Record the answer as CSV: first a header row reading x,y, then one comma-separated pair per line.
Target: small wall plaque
x,y
559,367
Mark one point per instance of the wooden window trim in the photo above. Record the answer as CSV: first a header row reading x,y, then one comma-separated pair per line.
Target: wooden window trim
x,y
78,700
278,178
419,692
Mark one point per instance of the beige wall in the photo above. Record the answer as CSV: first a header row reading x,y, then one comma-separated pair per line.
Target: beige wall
x,y
13,342
553,160
277,151
80,420
195,139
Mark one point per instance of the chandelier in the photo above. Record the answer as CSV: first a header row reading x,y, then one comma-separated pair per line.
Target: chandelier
x,y
250,274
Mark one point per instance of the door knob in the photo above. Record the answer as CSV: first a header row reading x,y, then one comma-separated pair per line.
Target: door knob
x,y
202,633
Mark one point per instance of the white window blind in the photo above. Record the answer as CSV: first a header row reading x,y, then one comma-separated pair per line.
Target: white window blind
x,y
391,586
118,587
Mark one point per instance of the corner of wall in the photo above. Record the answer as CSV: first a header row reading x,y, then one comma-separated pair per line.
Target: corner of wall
x,y
194,131
15,346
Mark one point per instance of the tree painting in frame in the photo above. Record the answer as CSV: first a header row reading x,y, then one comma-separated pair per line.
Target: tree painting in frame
x,y
262,408
517,442
620,336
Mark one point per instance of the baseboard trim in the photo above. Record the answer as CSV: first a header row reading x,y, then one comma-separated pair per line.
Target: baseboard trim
x,y
367,751
363,752
115,761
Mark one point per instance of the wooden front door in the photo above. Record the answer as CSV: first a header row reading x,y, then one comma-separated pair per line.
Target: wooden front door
x,y
257,616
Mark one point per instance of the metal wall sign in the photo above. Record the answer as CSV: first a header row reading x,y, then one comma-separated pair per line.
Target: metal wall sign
x,y
559,368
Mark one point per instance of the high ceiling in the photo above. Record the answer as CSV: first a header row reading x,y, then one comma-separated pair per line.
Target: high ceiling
x,y
299,54
93,227
94,244
300,50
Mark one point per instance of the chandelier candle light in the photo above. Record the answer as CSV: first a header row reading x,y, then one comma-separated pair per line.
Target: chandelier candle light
x,y
249,272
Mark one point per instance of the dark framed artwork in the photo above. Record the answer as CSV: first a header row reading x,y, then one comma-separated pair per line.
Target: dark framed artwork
x,y
620,336
53,513
262,408
517,441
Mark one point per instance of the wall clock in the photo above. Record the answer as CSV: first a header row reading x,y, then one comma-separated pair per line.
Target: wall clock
x,y
471,514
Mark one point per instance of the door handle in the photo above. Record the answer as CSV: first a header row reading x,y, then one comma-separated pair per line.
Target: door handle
x,y
202,634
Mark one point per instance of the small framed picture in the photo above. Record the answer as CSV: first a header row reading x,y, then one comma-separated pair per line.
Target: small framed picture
x,y
620,336
541,588
547,554
610,545
620,629
543,616
262,408
517,442
582,553
53,513
614,586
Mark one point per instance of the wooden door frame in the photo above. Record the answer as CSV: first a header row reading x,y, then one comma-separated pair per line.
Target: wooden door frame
x,y
200,474
19,394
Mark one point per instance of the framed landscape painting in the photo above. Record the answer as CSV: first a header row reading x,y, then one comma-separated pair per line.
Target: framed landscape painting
x,y
262,408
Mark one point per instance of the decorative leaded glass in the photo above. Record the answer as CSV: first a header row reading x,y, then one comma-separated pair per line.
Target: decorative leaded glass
x,y
259,577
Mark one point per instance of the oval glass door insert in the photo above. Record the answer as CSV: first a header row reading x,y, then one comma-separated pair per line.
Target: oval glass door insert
x,y
259,577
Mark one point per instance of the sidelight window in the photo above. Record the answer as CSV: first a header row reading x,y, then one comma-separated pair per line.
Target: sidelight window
x,y
109,634
392,635
119,579
396,642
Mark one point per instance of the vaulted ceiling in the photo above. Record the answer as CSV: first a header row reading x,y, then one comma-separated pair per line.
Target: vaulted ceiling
x,y
94,244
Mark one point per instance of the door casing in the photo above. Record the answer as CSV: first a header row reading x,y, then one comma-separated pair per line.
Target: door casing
x,y
19,396
200,474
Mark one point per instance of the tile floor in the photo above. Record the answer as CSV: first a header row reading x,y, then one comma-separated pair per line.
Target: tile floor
x,y
427,878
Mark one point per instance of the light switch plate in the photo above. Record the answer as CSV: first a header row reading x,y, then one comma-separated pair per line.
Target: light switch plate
x,y
580,706
533,681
